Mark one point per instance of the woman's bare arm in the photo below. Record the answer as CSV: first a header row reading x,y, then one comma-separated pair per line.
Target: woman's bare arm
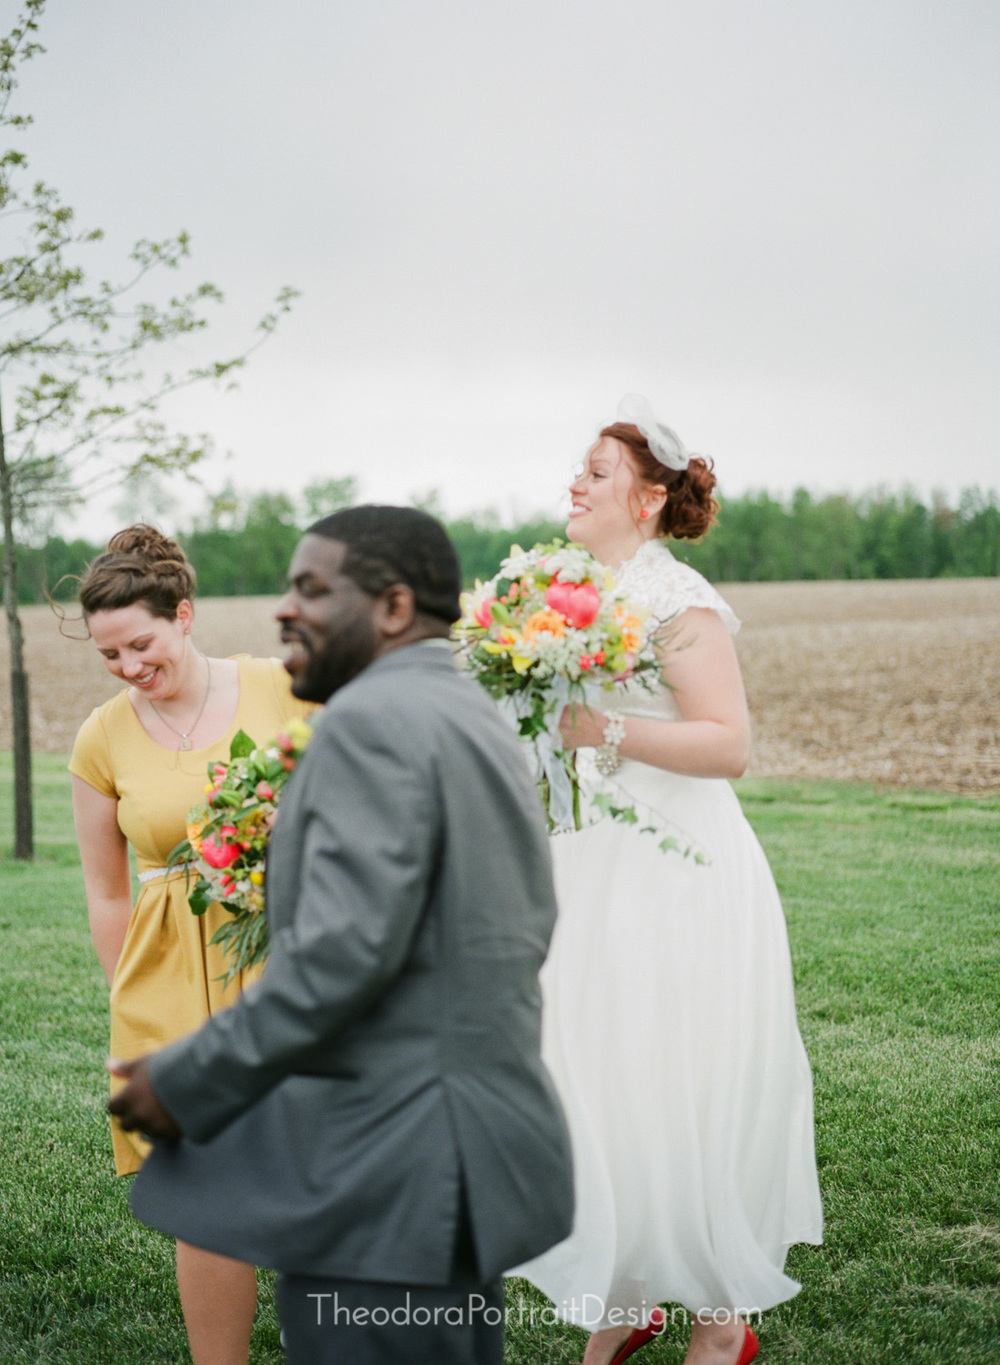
x,y
104,854
713,739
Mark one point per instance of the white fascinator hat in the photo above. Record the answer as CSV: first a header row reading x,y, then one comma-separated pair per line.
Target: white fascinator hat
x,y
664,442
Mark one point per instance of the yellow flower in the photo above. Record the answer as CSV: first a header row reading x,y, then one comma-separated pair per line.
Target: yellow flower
x,y
257,878
521,664
504,641
299,732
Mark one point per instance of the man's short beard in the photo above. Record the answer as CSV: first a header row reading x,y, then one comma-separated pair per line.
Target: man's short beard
x,y
342,659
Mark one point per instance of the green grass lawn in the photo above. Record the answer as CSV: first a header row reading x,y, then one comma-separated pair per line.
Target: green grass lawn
x,y
893,904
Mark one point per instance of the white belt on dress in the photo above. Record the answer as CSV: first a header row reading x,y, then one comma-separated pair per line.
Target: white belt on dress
x,y
152,872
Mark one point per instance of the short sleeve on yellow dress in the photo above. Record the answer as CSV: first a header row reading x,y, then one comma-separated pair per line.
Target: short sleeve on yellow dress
x,y
165,984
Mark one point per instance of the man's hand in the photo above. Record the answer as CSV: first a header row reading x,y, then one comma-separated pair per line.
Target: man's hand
x,y
137,1104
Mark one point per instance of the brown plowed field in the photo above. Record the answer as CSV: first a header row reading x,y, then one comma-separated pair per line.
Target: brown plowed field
x,y
895,683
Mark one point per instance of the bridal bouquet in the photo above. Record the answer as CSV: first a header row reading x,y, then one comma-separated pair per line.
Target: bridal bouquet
x,y
551,630
227,834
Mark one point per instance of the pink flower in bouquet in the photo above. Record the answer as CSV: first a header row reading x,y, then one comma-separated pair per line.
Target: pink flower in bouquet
x,y
265,791
483,614
218,851
580,603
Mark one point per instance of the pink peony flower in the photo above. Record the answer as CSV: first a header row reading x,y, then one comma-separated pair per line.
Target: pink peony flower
x,y
580,603
217,851
265,791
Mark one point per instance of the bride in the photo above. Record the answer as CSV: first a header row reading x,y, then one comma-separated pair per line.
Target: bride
x,y
669,1023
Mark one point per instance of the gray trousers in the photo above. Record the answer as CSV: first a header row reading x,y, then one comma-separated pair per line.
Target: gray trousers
x,y
328,1321
359,1322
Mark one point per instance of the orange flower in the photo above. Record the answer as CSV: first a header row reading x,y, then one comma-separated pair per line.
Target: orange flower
x,y
631,628
544,620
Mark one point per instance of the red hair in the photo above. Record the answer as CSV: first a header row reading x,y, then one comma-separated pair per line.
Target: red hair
x,y
690,508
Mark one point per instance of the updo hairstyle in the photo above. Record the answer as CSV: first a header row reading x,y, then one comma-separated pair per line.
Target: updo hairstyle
x,y
690,509
140,565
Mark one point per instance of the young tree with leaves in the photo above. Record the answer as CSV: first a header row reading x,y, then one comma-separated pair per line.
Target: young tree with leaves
x,y
78,409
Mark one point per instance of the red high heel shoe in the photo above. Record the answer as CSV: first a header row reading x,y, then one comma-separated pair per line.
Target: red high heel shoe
x,y
750,1346
642,1335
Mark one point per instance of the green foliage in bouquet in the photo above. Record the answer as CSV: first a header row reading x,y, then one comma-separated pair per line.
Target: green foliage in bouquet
x,y
227,835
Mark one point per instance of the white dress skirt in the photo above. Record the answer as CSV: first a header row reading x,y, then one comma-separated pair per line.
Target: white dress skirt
x,y
669,1028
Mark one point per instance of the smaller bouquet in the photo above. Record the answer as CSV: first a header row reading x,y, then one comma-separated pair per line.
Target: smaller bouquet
x,y
227,834
551,630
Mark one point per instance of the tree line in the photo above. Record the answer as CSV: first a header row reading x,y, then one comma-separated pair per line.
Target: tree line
x,y
243,544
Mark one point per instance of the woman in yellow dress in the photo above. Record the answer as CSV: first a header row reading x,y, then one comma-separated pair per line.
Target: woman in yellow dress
x,y
139,764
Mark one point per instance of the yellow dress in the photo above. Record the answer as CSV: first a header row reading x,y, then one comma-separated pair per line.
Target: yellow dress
x,y
165,984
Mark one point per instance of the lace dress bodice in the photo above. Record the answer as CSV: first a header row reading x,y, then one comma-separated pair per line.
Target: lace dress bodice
x,y
654,579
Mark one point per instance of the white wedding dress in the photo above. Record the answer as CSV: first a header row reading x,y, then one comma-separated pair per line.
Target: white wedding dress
x,y
669,1028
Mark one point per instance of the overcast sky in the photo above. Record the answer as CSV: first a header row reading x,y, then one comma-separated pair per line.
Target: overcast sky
x,y
777,218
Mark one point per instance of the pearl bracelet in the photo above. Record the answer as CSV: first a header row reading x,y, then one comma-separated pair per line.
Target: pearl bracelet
x,y
607,757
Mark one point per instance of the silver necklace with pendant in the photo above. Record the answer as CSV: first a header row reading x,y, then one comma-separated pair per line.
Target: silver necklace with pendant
x,y
185,735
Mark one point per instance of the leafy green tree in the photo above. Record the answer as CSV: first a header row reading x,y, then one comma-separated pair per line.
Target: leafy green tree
x,y
977,548
79,413
482,542
49,571
750,544
944,534
323,497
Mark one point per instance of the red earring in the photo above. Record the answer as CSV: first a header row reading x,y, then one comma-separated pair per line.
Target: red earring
x,y
644,513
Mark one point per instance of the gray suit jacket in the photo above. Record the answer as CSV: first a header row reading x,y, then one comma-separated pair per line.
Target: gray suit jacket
x,y
389,1054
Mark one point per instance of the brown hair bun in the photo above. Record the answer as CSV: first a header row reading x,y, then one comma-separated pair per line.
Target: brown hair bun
x,y
141,564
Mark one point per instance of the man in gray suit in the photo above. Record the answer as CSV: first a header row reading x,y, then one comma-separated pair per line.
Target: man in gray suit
x,y
372,1117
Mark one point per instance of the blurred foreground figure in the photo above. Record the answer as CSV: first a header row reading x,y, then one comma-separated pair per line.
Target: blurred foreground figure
x,y
373,1117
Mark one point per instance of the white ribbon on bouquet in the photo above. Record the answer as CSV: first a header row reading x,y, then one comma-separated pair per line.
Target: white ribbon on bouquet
x,y
547,751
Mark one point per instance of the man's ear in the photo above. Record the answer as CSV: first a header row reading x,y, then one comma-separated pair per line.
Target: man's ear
x,y
395,611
